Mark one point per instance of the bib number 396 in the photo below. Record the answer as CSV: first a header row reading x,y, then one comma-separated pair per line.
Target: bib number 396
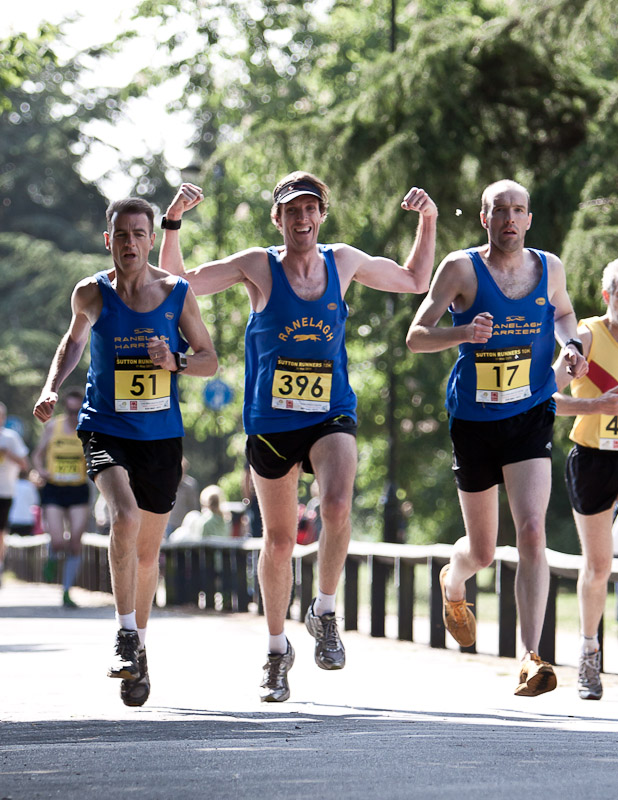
x,y
300,385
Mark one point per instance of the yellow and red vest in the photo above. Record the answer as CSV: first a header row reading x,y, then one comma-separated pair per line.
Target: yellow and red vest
x,y
597,430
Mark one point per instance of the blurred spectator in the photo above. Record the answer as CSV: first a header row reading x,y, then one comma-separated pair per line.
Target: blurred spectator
x,y
216,522
210,521
306,525
101,516
13,459
313,508
187,499
25,508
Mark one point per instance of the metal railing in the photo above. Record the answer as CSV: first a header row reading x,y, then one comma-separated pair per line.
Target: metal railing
x,y
222,574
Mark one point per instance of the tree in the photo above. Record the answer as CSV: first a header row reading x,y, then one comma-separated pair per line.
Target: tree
x,y
36,279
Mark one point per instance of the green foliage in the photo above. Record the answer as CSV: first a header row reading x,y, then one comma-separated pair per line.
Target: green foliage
x,y
36,280
19,57
41,143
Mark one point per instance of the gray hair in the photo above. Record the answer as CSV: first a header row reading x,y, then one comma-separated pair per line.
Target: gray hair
x,y
610,273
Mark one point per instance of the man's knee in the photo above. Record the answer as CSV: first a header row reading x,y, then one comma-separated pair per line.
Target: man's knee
x,y
596,571
125,523
531,539
483,554
278,545
335,509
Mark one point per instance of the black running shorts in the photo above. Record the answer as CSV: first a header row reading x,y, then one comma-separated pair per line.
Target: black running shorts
x,y
65,496
592,479
154,467
5,507
481,449
272,455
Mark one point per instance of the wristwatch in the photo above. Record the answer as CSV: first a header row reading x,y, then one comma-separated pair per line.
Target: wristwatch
x,y
181,362
577,343
171,224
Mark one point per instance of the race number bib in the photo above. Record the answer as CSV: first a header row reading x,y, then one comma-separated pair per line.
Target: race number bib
x,y
300,385
608,432
67,469
503,376
140,386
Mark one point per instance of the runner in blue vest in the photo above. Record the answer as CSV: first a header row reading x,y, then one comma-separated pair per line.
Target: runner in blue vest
x,y
141,321
299,408
507,303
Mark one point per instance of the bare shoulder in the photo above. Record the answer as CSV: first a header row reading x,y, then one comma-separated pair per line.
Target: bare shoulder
x,y
556,276
163,276
349,260
457,267
346,255
87,290
553,262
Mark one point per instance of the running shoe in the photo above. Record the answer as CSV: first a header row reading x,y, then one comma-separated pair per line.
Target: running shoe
x,y
136,692
125,664
274,687
535,677
458,620
67,602
589,683
329,649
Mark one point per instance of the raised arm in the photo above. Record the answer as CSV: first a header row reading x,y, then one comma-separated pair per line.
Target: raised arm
x,y
83,304
385,274
452,282
210,278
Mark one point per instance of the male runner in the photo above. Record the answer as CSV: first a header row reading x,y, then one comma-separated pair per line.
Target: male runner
x,y
507,303
592,471
299,407
65,495
130,424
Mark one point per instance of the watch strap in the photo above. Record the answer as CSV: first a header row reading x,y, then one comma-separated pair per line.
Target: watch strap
x,y
181,362
170,224
577,343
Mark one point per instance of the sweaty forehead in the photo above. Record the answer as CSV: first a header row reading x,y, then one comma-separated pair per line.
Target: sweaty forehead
x,y
130,222
508,197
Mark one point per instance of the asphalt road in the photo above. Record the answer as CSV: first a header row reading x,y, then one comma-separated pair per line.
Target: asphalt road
x,y
401,721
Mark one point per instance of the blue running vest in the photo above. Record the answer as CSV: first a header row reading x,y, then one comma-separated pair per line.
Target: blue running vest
x,y
126,395
512,372
296,364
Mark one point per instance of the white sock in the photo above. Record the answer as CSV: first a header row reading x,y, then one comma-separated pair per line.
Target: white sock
x,y
277,643
324,604
590,644
127,621
142,638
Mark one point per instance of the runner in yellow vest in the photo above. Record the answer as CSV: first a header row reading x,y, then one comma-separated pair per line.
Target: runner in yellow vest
x,y
65,496
592,470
